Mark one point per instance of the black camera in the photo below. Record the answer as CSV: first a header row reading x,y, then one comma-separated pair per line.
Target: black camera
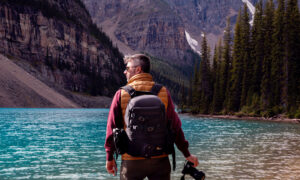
x,y
190,170
120,140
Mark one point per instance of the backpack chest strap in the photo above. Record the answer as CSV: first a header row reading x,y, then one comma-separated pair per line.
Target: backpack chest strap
x,y
133,93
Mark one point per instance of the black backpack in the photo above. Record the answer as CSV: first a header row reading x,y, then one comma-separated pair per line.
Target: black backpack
x,y
148,131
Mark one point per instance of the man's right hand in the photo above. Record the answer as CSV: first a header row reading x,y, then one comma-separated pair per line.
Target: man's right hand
x,y
111,167
193,159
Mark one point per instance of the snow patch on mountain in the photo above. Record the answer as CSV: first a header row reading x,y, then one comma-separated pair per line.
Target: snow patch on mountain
x,y
251,9
192,42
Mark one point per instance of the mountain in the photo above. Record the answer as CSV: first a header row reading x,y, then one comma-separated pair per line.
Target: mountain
x,y
161,27
170,31
143,26
57,42
158,26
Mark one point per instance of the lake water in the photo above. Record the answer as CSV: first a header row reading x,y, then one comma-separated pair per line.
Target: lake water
x,y
68,144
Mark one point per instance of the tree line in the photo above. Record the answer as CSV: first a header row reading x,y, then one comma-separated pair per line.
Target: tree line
x,y
255,72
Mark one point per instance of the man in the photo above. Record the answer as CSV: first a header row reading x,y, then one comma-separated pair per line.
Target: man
x,y
157,167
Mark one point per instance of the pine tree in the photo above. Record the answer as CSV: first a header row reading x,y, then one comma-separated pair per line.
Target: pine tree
x,y
214,77
196,89
245,45
205,79
268,23
257,53
256,48
217,89
226,64
214,65
278,54
182,96
292,55
190,96
236,77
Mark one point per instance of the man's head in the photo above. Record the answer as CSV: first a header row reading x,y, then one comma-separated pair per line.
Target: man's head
x,y
136,64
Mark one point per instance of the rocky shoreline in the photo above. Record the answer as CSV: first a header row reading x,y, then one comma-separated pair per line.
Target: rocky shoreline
x,y
272,119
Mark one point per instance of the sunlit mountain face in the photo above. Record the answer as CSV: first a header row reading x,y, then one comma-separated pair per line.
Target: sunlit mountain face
x,y
163,27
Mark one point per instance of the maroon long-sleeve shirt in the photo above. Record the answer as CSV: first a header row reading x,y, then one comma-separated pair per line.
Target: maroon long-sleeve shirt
x,y
115,113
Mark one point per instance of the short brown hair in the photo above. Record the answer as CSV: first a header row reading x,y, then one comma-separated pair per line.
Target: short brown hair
x,y
141,59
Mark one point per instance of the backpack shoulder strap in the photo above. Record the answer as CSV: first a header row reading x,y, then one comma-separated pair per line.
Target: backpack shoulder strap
x,y
156,88
129,89
131,92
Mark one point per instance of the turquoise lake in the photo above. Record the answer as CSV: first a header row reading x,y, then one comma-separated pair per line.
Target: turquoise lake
x,y
68,144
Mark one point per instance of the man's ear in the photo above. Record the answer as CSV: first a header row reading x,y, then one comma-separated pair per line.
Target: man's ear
x,y
139,69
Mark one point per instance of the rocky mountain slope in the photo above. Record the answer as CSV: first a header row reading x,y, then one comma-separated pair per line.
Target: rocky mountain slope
x,y
143,26
158,26
20,89
58,43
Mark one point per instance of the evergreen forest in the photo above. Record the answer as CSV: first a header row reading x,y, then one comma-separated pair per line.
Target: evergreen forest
x,y
253,71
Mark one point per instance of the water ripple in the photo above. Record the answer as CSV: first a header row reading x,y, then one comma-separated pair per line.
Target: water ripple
x,y
68,144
